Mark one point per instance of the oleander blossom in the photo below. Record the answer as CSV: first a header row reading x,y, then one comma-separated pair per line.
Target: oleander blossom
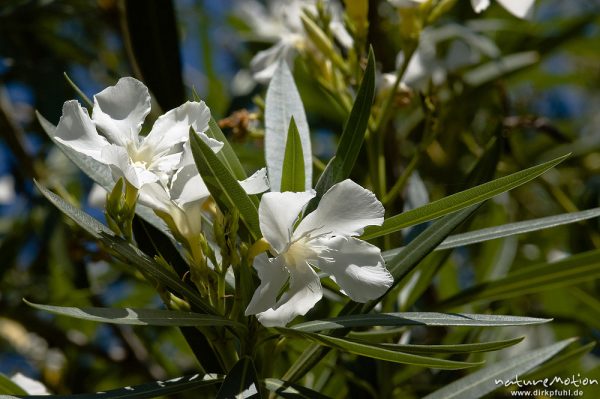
x,y
112,134
180,201
324,239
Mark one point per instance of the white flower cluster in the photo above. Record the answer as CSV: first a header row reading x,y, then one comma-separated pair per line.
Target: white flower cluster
x,y
161,167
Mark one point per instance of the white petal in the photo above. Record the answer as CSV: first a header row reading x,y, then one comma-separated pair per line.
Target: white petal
x,y
519,8
120,110
277,213
304,292
357,267
173,127
264,63
273,276
77,131
29,385
345,209
187,186
154,195
480,5
257,183
121,166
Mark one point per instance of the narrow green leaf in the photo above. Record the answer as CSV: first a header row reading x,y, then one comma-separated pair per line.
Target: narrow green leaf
x,y
288,390
416,319
148,390
226,155
8,387
572,270
139,317
281,104
450,349
241,382
223,186
355,128
461,200
484,381
376,352
506,230
126,251
292,173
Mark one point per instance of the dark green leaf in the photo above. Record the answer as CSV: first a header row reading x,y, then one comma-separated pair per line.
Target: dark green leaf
x,y
572,270
416,319
224,188
376,352
8,387
241,382
355,127
461,200
292,173
450,349
226,155
288,390
123,249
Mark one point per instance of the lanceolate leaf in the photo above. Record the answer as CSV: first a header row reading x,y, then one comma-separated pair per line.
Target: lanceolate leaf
x,y
353,135
223,187
140,317
484,381
226,155
8,387
461,200
124,250
292,177
492,233
449,349
416,319
149,390
281,104
376,352
288,390
241,382
572,270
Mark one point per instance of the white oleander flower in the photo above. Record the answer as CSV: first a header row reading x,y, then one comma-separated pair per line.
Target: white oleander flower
x,y
519,8
185,193
279,21
324,239
112,135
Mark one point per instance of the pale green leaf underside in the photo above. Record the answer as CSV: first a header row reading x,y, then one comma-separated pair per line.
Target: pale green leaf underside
x,y
506,230
481,382
140,317
148,390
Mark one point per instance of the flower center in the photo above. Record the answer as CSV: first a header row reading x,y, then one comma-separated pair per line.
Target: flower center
x,y
140,157
299,251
